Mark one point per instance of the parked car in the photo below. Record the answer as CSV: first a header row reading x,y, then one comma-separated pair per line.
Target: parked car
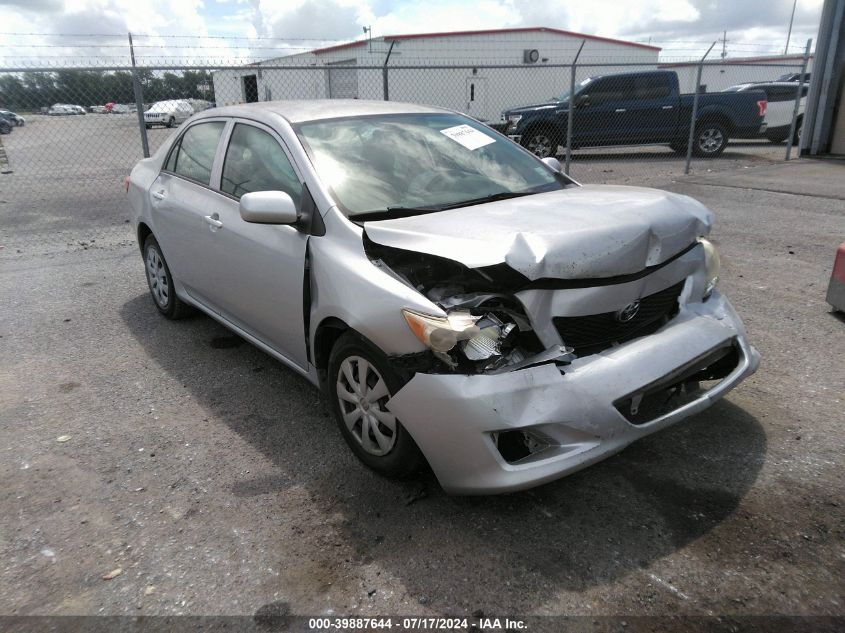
x,y
61,109
780,98
637,108
168,113
794,77
5,125
98,109
16,119
459,300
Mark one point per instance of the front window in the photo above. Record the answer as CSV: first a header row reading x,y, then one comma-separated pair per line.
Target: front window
x,y
394,164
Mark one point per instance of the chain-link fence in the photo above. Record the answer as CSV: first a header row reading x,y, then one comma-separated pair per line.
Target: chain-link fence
x,y
73,134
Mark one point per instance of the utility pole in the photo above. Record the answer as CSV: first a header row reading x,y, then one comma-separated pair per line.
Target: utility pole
x,y
789,32
724,41
139,101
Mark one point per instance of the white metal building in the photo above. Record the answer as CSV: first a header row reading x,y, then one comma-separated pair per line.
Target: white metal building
x,y
717,76
452,70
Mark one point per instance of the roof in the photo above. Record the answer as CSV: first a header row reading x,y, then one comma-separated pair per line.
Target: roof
x,y
738,60
530,29
297,111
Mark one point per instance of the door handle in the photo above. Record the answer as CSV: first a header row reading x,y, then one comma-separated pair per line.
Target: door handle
x,y
159,195
217,224
620,110
666,108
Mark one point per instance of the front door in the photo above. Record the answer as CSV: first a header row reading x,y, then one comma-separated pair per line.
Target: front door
x,y
258,268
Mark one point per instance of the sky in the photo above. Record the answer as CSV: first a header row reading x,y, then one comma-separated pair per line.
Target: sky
x,y
226,30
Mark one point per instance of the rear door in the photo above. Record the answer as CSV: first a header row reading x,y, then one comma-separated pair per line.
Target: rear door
x,y
179,198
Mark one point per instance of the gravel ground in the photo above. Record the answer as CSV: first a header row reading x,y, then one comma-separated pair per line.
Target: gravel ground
x,y
214,479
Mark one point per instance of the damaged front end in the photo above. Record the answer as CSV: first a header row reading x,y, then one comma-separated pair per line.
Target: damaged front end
x,y
485,330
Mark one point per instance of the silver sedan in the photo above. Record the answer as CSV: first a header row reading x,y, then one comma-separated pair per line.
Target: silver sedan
x,y
460,302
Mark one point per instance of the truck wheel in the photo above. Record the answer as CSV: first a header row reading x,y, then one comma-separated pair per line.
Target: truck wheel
x,y
710,140
796,140
542,143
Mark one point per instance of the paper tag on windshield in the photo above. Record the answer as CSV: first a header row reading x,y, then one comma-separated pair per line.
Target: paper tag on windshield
x,y
468,136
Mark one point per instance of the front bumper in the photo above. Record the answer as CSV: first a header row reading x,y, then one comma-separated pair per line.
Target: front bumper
x,y
453,417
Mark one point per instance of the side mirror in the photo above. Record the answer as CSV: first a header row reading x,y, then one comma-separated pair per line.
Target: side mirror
x,y
552,162
268,207
582,101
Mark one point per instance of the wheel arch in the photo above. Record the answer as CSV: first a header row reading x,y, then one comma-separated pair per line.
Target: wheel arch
x,y
715,116
144,232
326,335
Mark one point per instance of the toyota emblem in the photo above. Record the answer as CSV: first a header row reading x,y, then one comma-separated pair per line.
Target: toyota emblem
x,y
628,312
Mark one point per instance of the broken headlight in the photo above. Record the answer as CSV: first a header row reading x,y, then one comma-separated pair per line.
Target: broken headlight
x,y
480,339
441,334
712,266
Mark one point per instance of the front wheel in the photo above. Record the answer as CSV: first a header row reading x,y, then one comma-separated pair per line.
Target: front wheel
x,y
170,122
542,143
710,140
360,384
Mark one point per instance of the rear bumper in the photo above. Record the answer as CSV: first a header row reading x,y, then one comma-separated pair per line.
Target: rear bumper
x,y
453,418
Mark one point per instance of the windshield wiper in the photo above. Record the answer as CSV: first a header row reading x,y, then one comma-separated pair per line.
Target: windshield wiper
x,y
493,197
404,212
393,212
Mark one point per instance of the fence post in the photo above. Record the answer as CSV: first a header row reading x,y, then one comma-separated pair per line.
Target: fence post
x,y
139,101
794,125
695,108
569,113
384,86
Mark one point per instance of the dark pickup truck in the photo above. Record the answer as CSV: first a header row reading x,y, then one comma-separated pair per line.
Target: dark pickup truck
x,y
637,108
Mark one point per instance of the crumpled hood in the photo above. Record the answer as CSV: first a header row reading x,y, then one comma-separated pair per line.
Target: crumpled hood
x,y
574,233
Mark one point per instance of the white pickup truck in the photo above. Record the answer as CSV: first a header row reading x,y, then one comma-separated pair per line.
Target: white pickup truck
x,y
781,103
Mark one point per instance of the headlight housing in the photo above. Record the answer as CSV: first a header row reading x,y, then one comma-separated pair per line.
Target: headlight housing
x,y
514,118
712,266
441,334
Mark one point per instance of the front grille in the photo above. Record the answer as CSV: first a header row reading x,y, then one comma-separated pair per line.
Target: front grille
x,y
593,333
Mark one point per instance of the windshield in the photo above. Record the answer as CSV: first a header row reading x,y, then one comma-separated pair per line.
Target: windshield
x,y
564,96
162,106
422,162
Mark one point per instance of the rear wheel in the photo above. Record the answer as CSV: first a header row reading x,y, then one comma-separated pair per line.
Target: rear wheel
x,y
360,384
710,140
160,282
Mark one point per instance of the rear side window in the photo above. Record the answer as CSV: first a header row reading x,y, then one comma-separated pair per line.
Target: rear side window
x,y
653,87
256,162
194,155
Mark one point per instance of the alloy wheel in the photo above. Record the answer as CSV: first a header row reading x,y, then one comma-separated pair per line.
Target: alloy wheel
x,y
710,140
363,395
541,145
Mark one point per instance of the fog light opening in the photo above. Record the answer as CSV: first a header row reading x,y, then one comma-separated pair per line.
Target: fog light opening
x,y
515,446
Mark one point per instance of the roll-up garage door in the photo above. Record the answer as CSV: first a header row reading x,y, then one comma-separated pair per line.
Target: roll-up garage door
x,y
343,82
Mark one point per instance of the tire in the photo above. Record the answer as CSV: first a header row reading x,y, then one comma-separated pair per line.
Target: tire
x,y
392,453
170,122
160,282
796,140
710,140
541,142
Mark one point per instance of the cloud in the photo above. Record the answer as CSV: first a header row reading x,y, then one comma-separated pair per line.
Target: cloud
x,y
34,5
